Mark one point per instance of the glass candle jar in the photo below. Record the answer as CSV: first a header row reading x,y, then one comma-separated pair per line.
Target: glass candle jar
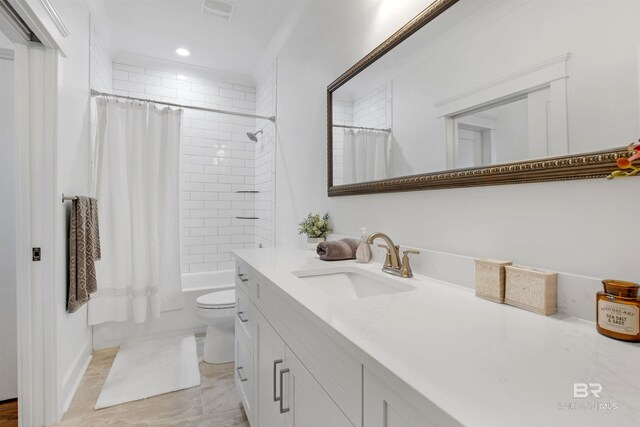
x,y
618,310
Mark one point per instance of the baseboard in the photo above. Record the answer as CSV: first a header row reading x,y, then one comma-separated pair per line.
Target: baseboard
x,y
72,381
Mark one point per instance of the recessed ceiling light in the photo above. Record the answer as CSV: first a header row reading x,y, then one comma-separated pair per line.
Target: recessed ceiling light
x,y
182,51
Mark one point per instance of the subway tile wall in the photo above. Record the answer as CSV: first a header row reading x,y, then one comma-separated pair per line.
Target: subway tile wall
x,y
265,158
373,109
217,159
342,115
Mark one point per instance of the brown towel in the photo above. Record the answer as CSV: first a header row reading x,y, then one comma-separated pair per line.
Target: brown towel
x,y
337,251
84,251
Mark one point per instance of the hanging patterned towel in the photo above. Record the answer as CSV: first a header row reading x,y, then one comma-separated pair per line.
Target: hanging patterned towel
x,y
84,251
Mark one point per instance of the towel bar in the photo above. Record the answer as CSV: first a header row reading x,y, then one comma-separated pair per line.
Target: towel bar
x,y
67,198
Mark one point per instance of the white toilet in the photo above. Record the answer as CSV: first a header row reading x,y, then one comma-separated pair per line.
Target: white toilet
x,y
217,310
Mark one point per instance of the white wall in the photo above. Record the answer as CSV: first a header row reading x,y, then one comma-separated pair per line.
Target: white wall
x,y
73,167
217,157
567,226
8,307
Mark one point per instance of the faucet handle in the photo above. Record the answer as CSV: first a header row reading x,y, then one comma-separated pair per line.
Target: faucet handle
x,y
405,269
387,261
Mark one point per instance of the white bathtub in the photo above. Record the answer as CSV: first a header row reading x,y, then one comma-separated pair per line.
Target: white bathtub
x,y
176,322
216,280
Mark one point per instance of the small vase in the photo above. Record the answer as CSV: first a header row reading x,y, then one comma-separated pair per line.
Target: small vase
x,y
312,242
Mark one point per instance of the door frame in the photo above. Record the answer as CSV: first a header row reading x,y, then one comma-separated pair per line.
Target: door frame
x,y
36,100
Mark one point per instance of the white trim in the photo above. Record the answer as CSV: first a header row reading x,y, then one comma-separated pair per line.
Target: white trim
x,y
33,19
57,20
7,54
559,119
535,76
551,73
23,237
72,381
36,100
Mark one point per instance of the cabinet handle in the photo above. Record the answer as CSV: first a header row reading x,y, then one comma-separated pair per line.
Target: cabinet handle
x,y
241,277
275,363
240,375
282,408
242,319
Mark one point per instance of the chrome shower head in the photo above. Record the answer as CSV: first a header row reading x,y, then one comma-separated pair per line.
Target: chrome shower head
x,y
254,136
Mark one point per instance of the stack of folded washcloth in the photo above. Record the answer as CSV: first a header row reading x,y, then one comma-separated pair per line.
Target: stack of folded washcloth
x,y
337,250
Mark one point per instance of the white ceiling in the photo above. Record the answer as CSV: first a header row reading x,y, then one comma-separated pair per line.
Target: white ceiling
x,y
156,28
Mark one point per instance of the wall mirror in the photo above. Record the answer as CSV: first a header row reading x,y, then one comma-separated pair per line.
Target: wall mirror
x,y
484,92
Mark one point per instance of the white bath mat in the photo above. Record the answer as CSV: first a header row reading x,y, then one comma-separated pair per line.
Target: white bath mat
x,y
150,368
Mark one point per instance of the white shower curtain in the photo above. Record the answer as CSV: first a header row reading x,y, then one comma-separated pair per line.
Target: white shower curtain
x,y
137,186
367,156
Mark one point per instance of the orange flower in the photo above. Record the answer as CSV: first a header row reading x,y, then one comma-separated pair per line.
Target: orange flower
x,y
623,163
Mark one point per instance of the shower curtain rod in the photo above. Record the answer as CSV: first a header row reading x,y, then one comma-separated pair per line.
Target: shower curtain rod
x,y
361,128
191,107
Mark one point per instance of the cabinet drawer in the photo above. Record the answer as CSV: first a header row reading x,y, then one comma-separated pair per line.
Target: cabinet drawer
x,y
245,316
244,375
245,278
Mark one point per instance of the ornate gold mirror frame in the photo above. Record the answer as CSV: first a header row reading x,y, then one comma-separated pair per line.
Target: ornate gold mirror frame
x,y
575,166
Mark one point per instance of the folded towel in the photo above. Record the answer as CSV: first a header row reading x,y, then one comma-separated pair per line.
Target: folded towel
x,y
337,251
84,251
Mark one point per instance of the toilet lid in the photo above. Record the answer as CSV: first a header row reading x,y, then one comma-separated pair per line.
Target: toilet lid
x,y
222,299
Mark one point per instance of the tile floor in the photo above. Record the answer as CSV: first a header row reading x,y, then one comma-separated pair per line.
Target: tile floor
x,y
213,403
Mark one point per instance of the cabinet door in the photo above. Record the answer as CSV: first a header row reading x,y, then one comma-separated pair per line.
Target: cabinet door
x,y
244,377
270,354
305,401
387,407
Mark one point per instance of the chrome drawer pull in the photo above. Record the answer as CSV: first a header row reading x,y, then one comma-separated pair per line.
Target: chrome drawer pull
x,y
238,369
282,408
241,277
242,319
275,363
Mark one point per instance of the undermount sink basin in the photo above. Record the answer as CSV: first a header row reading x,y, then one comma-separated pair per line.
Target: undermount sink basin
x,y
351,284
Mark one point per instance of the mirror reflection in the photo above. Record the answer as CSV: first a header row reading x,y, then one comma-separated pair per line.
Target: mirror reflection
x,y
491,82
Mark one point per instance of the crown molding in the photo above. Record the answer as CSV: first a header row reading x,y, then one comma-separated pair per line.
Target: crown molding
x,y
55,17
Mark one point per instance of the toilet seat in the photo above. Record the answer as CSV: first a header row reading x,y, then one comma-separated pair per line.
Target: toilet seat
x,y
217,300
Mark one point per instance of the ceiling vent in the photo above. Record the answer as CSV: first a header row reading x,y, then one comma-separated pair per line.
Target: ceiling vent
x,y
219,8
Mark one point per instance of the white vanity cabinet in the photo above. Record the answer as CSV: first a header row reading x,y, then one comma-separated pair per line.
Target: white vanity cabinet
x,y
278,389
390,403
290,372
372,357
288,395
244,355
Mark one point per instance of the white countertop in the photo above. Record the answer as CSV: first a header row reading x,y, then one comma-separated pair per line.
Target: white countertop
x,y
483,363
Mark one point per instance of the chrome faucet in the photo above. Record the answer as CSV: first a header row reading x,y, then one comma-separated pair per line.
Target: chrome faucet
x,y
392,264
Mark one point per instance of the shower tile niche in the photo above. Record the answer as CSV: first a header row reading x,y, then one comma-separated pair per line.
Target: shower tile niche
x,y
218,161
